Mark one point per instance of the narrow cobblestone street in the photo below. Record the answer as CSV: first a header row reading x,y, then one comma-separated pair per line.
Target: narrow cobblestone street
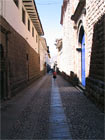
x,y
50,109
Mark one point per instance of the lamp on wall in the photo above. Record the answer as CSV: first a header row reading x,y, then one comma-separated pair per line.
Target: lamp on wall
x,y
75,27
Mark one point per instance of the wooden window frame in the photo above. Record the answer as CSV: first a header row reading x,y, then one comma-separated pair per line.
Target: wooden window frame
x,y
28,25
23,16
1,51
33,31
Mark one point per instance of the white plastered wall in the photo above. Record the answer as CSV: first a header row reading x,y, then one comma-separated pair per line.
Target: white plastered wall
x,y
42,56
67,62
13,16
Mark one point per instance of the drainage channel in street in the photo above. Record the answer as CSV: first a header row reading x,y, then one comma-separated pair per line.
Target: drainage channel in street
x,y
58,127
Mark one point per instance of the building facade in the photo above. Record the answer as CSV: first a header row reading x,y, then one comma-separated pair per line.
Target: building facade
x,y
59,55
20,30
48,60
84,44
44,55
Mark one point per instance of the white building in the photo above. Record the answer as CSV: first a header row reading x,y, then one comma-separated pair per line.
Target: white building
x,y
83,45
44,55
59,55
22,15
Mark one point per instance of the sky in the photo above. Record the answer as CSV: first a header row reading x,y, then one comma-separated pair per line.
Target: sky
x,y
50,15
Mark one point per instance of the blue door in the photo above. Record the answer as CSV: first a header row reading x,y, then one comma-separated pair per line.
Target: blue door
x,y
83,61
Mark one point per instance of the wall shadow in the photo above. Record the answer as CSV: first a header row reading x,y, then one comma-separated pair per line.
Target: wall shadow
x,y
72,78
21,61
95,82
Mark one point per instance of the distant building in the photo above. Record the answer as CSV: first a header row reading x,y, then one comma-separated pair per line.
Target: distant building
x,y
59,55
43,51
44,55
83,44
48,60
20,30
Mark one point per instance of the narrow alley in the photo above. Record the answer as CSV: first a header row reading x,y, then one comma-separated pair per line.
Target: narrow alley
x,y
52,69
51,109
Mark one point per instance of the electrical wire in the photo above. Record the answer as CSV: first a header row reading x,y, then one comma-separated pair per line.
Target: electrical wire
x,y
47,3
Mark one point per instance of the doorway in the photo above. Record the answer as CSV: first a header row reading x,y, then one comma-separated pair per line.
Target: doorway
x,y
82,43
83,61
1,85
1,71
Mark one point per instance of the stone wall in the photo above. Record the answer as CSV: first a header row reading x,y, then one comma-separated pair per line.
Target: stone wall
x,y
94,10
22,63
95,83
93,21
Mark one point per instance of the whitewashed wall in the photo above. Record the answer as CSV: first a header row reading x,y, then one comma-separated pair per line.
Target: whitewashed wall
x,y
67,62
42,56
48,61
59,61
13,16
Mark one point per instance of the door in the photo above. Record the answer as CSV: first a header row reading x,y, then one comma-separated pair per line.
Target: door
x,y
83,61
1,71
1,85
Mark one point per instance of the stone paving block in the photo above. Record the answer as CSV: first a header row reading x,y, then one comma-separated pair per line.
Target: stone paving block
x,y
84,119
58,127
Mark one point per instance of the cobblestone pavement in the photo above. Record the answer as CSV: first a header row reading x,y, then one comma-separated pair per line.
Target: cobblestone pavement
x,y
58,126
27,115
85,120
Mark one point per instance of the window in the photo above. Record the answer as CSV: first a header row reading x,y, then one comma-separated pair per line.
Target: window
x,y
32,31
16,2
23,16
36,38
27,57
28,25
1,52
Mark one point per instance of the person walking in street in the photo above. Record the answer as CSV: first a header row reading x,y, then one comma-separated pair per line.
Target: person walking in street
x,y
54,75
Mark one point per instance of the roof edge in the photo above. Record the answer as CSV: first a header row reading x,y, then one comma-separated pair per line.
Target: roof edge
x,y
38,18
78,10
